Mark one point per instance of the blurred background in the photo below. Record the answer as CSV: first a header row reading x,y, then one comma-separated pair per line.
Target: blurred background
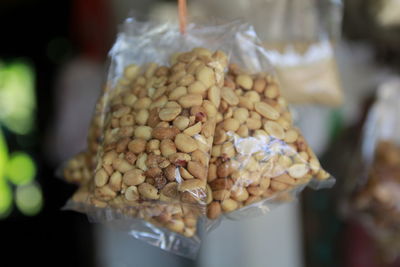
x,y
331,57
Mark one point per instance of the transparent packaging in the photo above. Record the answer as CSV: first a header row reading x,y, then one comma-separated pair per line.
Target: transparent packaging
x,y
375,199
299,36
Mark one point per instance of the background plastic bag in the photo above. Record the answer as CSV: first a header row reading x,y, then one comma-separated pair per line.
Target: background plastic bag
x,y
299,36
374,200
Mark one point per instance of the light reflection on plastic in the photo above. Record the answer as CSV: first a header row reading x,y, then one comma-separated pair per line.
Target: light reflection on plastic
x,y
5,199
29,199
20,168
17,100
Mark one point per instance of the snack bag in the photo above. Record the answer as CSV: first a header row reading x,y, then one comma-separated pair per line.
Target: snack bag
x,y
157,121
375,201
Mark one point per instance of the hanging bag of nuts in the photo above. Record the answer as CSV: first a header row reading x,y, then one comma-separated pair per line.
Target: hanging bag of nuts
x,y
375,197
157,119
259,158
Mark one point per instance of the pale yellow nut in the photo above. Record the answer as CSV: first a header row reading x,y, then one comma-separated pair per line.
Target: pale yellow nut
x,y
101,177
221,194
228,113
185,143
214,95
252,96
201,51
159,92
127,120
255,190
193,130
131,71
206,75
150,91
229,205
152,145
209,198
274,129
185,174
284,123
142,116
193,66
181,122
150,70
141,162
109,157
314,164
176,225
169,114
147,191
253,124
188,101
304,156
137,146
197,169
213,210
169,192
186,80
271,91
129,100
231,125
298,170
228,149
259,85
105,193
243,131
216,150
197,87
132,193
177,93
278,186
167,147
133,177
286,179
210,108
291,136
251,200
179,157
265,183
121,111
143,132
239,194
115,181
122,165
200,157
245,102
229,96
266,110
322,175
208,128
285,161
244,81
203,144
241,114
142,103
191,184
159,103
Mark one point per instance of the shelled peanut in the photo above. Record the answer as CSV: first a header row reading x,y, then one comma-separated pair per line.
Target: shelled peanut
x,y
159,131
77,169
257,152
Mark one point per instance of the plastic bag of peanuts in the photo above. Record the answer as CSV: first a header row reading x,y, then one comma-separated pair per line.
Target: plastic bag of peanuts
x,y
183,138
157,120
375,200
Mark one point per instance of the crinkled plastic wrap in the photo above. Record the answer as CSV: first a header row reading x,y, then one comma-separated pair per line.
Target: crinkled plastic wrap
x,y
299,36
157,118
258,159
376,199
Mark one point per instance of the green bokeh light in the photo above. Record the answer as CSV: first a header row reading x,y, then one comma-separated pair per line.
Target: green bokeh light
x,y
20,168
5,199
3,156
29,199
17,99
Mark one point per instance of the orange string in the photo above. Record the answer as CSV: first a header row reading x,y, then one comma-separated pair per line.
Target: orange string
x,y
182,12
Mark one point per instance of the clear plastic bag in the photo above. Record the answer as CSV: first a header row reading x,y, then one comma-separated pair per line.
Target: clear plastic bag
x,y
299,36
375,201
157,121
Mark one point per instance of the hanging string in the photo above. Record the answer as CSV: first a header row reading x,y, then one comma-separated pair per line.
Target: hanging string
x,y
182,13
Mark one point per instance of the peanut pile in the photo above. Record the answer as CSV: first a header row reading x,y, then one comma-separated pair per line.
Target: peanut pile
x,y
158,135
257,153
